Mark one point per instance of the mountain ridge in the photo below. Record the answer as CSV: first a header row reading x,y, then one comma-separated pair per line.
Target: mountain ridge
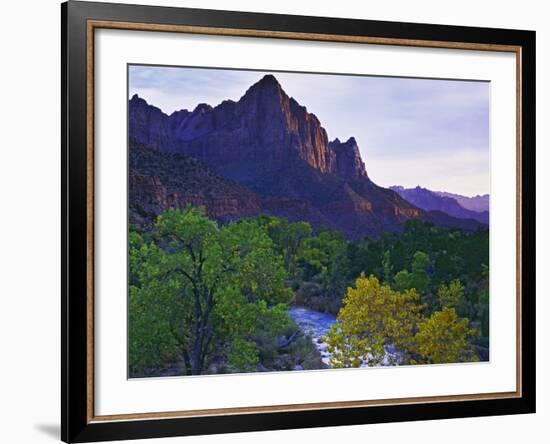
x,y
277,122
430,200
270,145
479,202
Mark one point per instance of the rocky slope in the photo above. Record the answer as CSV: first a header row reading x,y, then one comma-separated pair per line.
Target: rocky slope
x,y
264,153
158,181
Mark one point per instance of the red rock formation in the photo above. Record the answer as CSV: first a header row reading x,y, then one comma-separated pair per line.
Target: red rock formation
x,y
275,150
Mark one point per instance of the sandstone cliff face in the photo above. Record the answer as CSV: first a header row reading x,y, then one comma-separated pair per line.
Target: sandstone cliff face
x,y
264,128
149,125
347,162
264,153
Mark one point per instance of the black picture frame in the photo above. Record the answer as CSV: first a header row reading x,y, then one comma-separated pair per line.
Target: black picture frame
x,y
76,423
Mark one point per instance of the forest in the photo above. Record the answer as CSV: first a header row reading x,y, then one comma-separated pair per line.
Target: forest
x,y
208,298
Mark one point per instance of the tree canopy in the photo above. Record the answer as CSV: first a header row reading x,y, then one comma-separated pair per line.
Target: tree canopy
x,y
199,289
444,338
375,318
372,317
201,293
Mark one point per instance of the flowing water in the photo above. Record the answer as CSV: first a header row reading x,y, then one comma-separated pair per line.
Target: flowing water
x,y
317,324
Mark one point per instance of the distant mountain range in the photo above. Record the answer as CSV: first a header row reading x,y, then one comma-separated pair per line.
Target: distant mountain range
x,y
449,203
477,203
264,154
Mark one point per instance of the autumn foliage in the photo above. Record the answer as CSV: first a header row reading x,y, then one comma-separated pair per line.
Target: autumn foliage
x,y
375,318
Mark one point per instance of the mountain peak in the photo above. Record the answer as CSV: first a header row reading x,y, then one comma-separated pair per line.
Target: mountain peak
x,y
267,85
269,80
349,163
265,123
136,99
202,108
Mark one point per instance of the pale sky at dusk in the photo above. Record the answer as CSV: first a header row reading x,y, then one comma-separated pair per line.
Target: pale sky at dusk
x,y
432,133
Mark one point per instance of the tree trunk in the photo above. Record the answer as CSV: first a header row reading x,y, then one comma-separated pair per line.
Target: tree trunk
x,y
196,354
187,362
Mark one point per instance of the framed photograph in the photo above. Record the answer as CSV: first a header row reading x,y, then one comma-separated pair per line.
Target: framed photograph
x,y
275,221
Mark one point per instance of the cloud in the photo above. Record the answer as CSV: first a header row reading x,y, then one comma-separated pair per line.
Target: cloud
x,y
173,88
464,172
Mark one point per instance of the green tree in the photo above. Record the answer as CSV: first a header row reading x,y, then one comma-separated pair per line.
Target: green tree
x,y
288,238
387,267
418,278
445,338
201,289
365,257
325,255
373,315
150,336
450,295
484,313
483,304
403,280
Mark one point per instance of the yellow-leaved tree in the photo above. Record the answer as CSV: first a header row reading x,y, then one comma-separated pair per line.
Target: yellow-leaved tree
x,y
445,338
373,316
450,295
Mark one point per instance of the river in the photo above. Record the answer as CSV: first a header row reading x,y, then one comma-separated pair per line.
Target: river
x,y
317,324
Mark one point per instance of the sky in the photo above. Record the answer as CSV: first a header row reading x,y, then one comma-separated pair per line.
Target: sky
x,y
428,132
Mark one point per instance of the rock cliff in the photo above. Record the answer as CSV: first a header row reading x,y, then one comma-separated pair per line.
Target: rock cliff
x,y
264,153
